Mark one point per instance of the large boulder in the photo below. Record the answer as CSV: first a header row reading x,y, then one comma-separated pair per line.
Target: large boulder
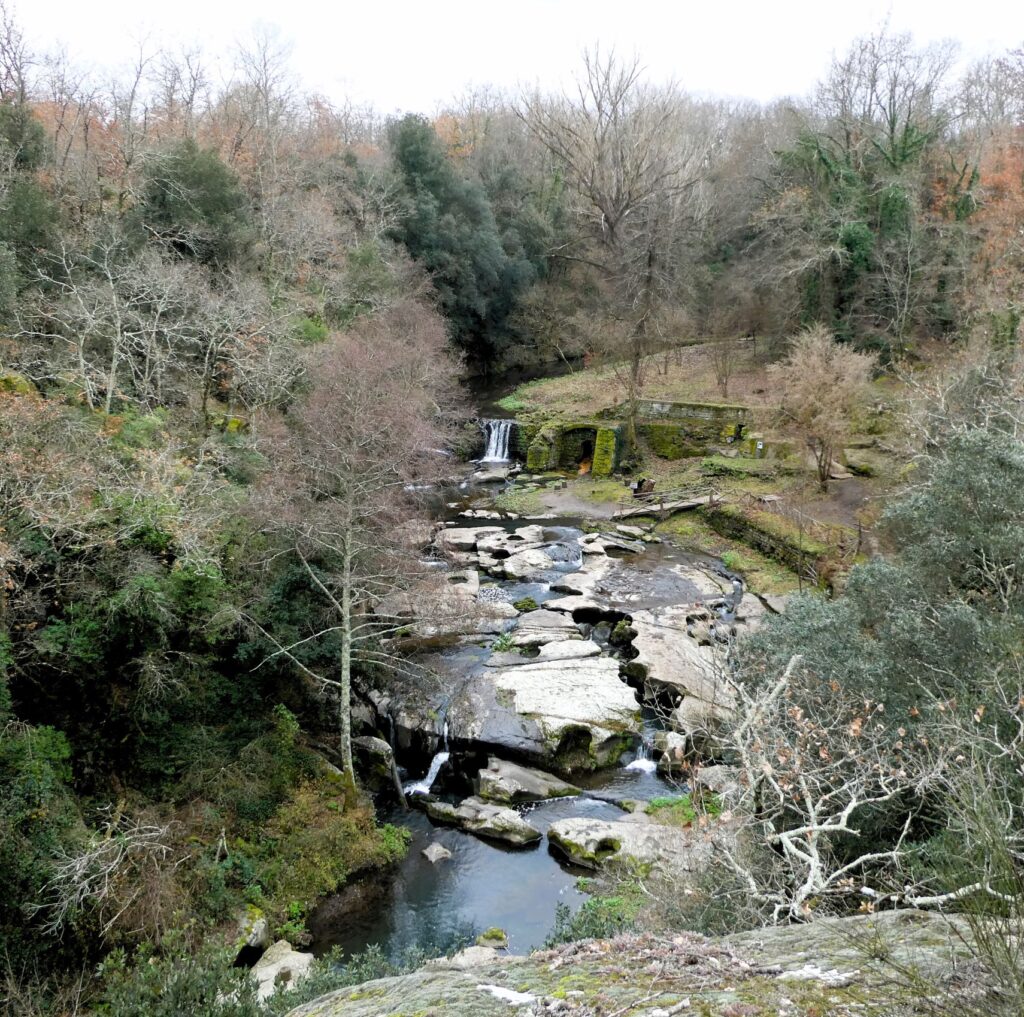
x,y
564,714
701,723
672,751
376,760
509,782
596,843
280,966
494,822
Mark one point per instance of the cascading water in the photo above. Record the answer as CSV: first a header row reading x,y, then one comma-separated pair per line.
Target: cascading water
x,y
422,787
643,759
497,433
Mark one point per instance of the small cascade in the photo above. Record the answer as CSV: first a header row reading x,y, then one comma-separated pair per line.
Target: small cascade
x,y
643,759
422,787
497,433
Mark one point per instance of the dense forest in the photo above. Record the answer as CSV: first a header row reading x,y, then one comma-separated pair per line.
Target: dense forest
x,y
234,319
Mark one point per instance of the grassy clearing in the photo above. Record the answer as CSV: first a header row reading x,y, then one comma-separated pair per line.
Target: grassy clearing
x,y
691,532
685,374
523,503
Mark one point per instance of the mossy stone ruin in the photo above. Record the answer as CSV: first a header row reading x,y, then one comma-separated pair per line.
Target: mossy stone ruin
x,y
568,445
671,430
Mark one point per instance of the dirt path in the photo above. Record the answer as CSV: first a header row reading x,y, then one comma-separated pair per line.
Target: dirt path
x,y
565,502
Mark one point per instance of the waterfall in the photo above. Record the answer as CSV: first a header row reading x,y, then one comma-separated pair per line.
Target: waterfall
x,y
422,787
643,759
497,433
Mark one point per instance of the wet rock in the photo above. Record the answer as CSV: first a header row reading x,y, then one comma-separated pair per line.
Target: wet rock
x,y
435,853
511,783
536,628
671,751
595,843
280,965
562,715
463,538
570,649
476,816
507,658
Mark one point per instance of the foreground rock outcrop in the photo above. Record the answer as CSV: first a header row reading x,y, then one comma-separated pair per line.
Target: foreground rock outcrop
x,y
838,967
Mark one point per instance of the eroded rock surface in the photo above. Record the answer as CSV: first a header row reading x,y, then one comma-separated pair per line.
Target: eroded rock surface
x,y
509,782
561,714
596,843
823,967
476,816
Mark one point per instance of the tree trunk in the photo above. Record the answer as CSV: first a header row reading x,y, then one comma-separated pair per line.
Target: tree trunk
x,y
345,678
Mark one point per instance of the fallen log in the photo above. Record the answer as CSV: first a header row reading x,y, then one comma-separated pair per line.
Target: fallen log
x,y
655,508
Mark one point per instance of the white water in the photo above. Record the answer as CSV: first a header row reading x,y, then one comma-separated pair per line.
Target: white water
x,y
497,433
422,787
643,759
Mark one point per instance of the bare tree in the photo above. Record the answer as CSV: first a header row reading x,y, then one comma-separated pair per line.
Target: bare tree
x,y
812,761
820,386
634,157
341,466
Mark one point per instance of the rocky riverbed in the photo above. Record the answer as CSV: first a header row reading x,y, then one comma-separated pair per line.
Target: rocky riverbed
x,y
577,671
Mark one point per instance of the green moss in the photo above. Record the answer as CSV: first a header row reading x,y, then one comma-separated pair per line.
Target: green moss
x,y
606,451
16,384
526,604
724,466
493,937
671,440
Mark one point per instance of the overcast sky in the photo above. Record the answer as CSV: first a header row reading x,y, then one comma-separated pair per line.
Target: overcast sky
x,y
409,55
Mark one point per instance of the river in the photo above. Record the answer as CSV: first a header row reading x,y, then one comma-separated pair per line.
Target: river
x,y
486,883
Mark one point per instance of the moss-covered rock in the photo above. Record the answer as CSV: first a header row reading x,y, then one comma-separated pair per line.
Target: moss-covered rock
x,y
16,384
831,966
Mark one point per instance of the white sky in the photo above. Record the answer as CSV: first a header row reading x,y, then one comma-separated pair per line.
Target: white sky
x,y
409,55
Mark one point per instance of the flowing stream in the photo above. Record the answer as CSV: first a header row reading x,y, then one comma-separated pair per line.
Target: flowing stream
x,y
487,883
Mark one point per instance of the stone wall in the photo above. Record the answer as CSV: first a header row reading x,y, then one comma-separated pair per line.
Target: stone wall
x,y
562,446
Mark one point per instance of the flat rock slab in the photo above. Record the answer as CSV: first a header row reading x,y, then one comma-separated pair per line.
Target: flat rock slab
x,y
571,649
595,844
495,822
672,660
561,714
510,783
537,628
